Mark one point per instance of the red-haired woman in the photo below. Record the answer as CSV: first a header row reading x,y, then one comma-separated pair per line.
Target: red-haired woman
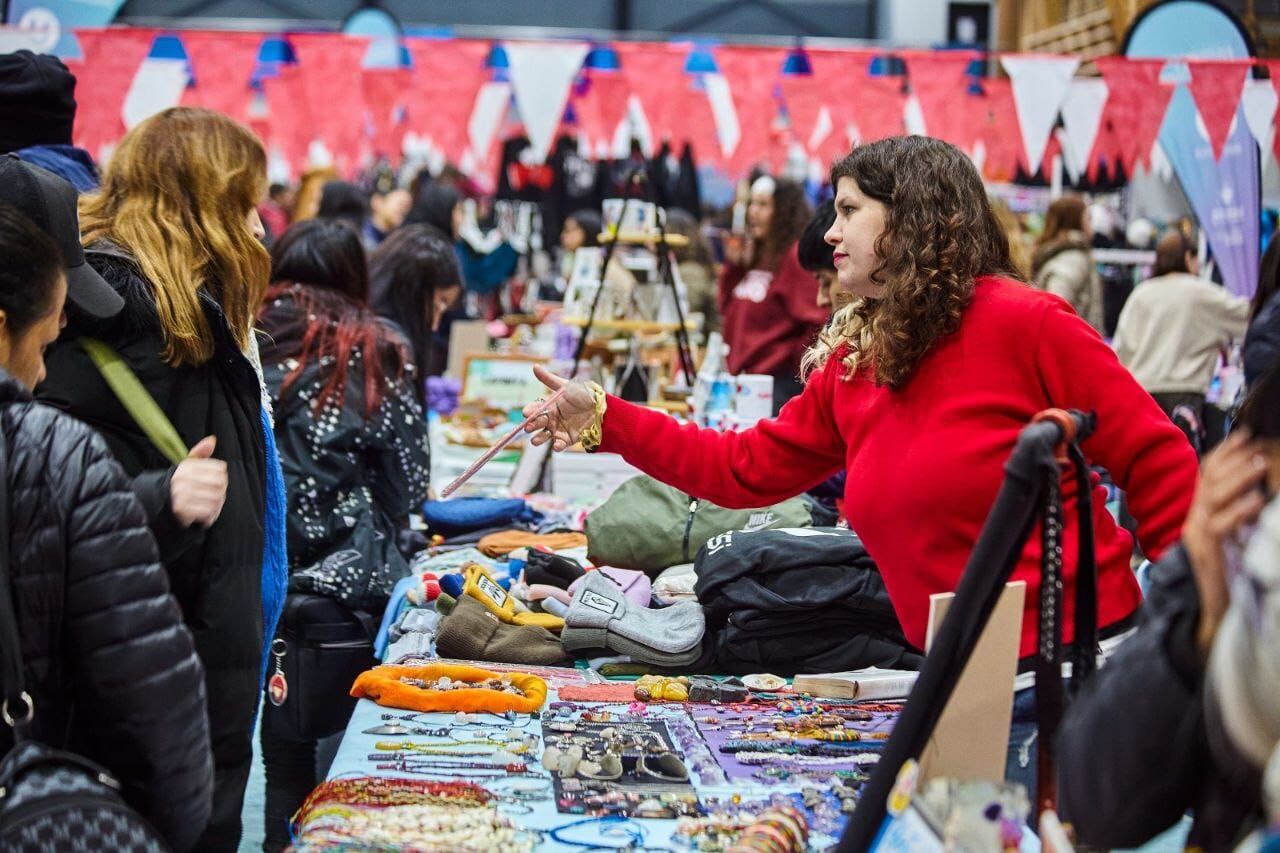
x,y
353,446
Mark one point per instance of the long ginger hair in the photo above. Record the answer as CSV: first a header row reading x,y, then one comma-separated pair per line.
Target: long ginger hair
x,y
177,196
939,235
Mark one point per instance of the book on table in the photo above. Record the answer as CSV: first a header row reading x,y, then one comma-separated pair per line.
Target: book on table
x,y
866,684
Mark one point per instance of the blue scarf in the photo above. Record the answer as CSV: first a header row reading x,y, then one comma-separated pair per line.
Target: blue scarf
x,y
275,560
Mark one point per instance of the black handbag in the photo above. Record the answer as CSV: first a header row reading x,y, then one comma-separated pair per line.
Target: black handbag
x,y
320,648
51,799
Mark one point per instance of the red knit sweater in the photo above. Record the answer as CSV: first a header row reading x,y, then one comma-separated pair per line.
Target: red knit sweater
x,y
769,318
925,462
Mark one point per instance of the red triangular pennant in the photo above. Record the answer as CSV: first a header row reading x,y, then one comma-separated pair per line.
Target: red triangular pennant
x,y
804,99
655,75
385,93
331,77
939,82
448,74
1139,100
221,68
602,107
998,131
752,73
111,59
290,115
1216,86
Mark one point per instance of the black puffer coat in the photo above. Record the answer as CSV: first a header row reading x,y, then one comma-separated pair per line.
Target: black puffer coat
x,y
215,575
111,667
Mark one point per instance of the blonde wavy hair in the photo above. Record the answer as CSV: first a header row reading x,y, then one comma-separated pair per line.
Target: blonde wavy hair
x,y
939,235
177,195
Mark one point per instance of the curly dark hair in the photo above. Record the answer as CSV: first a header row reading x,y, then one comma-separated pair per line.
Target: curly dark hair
x,y
790,215
939,235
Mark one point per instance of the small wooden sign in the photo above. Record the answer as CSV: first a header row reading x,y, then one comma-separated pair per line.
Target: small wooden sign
x,y
501,381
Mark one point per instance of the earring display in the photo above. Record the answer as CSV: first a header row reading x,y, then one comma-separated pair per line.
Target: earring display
x,y
616,767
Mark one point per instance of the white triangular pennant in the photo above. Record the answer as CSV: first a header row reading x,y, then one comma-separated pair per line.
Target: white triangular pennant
x,y
1040,84
157,86
822,128
913,117
1073,166
721,98
486,115
1161,166
634,125
1081,117
541,74
1259,102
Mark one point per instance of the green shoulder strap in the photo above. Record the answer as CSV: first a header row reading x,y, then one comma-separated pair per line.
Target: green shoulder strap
x,y
140,405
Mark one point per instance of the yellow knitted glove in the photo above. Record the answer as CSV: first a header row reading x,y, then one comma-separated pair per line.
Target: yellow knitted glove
x,y
481,586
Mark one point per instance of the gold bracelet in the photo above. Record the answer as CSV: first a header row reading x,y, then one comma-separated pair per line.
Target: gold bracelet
x,y
593,435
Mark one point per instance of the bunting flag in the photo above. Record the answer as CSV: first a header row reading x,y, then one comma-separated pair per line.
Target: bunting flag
x,y
289,119
1082,117
331,64
1002,151
221,69
486,117
541,75
752,74
1137,101
1216,86
805,102
448,76
1259,101
385,93
157,86
940,82
111,60
655,75
1273,66
603,105
1040,84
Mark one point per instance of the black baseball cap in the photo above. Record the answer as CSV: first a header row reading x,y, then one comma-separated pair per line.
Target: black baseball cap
x,y
50,202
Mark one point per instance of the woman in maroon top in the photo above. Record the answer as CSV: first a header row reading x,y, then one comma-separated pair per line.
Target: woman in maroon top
x,y
767,301
919,389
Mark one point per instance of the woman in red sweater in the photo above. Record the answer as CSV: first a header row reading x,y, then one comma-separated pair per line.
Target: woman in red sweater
x,y
919,388
767,301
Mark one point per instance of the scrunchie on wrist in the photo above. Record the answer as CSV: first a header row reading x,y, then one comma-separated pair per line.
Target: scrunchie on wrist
x,y
593,434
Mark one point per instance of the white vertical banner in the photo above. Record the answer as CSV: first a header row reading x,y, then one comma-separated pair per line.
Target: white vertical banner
x,y
486,116
1259,102
1081,118
541,74
1040,85
722,109
157,86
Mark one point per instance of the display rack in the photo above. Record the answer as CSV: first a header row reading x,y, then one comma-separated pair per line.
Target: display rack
x,y
658,240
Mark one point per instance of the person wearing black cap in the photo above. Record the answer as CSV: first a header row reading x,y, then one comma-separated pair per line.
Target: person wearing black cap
x,y
50,202
109,667
38,103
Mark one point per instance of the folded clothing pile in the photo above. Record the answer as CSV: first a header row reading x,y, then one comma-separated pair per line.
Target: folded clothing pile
x,y
802,600
464,515
650,526
601,618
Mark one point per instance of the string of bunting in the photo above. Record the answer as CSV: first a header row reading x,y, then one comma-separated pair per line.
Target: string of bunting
x,y
736,106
